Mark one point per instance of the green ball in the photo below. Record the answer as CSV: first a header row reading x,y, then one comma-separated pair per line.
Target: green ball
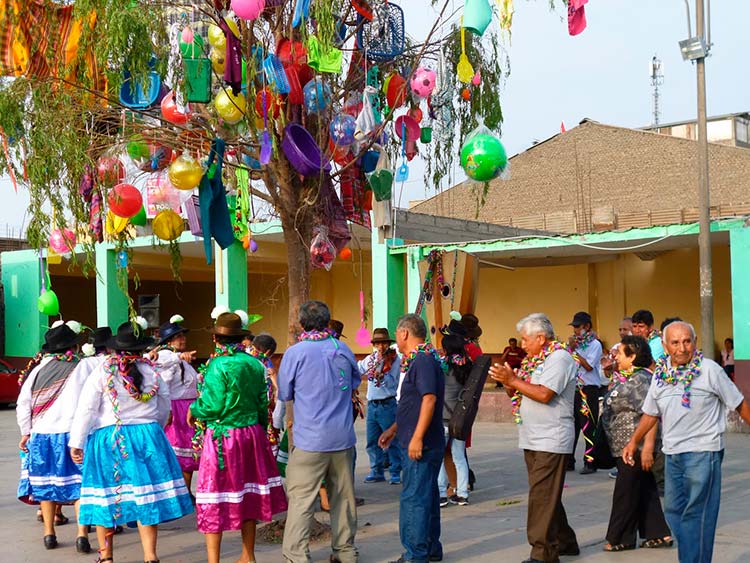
x,y
139,218
483,157
137,148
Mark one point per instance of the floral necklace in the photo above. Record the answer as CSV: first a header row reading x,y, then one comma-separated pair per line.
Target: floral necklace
x,y
653,333
582,342
528,366
67,356
264,358
379,365
673,375
114,365
423,348
624,375
457,359
314,336
219,351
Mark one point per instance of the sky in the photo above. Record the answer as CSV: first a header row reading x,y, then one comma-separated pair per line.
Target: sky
x,y
601,74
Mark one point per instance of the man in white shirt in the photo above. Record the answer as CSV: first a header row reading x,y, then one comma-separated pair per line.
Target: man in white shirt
x,y
691,395
587,352
542,392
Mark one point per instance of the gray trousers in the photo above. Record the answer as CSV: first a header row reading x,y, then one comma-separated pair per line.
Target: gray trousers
x,y
304,475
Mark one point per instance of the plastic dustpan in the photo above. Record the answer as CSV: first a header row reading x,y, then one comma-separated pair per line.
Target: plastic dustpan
x,y
275,74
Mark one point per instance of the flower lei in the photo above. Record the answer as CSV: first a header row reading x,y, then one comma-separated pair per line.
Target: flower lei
x,y
423,348
457,359
114,365
376,369
528,366
67,356
673,375
624,375
264,358
314,335
271,432
582,342
200,427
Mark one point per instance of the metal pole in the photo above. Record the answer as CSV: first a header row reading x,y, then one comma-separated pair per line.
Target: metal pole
x,y
704,204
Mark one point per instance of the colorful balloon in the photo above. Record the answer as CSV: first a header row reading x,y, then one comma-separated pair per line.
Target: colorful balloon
x,y
140,218
342,130
48,304
171,112
125,200
317,95
248,9
230,108
62,240
167,225
216,37
423,82
110,171
115,224
185,172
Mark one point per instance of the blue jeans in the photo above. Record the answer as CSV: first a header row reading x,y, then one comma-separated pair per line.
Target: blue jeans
x,y
691,502
458,453
380,417
419,511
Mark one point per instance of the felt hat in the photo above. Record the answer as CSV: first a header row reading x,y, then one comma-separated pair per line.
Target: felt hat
x,y
229,324
581,318
101,335
381,335
471,322
126,339
337,327
169,330
455,327
59,339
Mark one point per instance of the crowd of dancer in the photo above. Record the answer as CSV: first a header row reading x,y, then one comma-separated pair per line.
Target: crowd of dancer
x,y
118,426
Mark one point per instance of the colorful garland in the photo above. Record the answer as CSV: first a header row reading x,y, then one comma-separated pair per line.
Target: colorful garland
x,y
582,342
423,348
271,432
457,359
314,335
114,365
624,375
673,375
528,366
378,366
67,356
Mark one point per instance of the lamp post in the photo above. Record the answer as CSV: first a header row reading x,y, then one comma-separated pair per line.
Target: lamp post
x,y
696,49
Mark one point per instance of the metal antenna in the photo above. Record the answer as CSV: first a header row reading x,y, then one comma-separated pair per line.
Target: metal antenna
x,y
656,73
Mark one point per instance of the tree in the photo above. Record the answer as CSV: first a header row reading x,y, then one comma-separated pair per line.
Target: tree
x,y
60,113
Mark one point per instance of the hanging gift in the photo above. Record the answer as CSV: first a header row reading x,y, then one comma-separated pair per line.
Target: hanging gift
x,y
322,251
167,225
381,181
197,80
383,39
324,60
483,156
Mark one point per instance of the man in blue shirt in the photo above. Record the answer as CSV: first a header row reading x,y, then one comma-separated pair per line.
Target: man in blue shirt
x,y
419,431
319,374
381,368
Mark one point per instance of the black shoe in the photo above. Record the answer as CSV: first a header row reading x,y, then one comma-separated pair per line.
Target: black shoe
x,y
532,560
587,470
444,502
460,501
83,545
575,550
50,541
436,557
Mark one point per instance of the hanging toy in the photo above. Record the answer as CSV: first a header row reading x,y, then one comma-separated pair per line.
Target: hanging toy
x,y
483,156
62,241
464,70
466,94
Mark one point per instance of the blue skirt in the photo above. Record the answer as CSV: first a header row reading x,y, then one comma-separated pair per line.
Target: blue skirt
x,y
48,472
146,486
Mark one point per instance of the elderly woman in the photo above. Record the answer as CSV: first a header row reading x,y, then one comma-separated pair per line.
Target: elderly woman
x,y
635,501
238,481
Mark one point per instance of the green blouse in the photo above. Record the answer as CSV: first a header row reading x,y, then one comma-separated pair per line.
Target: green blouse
x,y
233,394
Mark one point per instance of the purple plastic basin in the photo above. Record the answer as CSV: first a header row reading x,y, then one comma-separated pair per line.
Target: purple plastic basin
x,y
302,151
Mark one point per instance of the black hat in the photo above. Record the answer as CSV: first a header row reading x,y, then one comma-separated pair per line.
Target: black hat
x,y
168,331
229,324
337,327
581,318
455,327
471,322
101,335
381,335
59,339
126,339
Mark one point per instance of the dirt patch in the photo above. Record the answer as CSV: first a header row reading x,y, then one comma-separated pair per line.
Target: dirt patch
x,y
273,532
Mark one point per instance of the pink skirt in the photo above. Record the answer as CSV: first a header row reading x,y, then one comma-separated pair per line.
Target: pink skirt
x,y
180,435
248,488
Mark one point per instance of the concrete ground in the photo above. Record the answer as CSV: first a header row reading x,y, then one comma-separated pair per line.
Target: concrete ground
x,y
491,528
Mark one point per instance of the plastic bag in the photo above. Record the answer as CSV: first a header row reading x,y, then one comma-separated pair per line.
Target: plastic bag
x,y
322,251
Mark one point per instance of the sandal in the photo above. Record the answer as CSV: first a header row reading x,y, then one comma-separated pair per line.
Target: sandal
x,y
658,542
61,519
618,547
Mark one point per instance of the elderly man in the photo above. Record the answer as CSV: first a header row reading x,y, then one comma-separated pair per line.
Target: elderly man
x,y
643,326
318,374
691,395
587,352
542,392
419,430
381,368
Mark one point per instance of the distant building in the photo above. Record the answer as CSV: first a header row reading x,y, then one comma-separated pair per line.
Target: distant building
x,y
730,129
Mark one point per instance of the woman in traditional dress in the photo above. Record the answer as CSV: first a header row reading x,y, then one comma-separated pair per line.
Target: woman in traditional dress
x,y
238,481
173,363
635,500
130,473
46,404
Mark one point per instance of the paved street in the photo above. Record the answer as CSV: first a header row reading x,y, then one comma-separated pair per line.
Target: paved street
x,y
491,528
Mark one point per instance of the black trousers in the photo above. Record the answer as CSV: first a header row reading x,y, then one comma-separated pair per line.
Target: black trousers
x,y
547,525
636,509
592,392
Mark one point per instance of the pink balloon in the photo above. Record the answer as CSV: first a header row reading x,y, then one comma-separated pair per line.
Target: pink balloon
x,y
248,9
61,241
187,35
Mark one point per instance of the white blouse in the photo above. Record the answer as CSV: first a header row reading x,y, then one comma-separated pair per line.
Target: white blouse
x,y
95,404
59,417
178,374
